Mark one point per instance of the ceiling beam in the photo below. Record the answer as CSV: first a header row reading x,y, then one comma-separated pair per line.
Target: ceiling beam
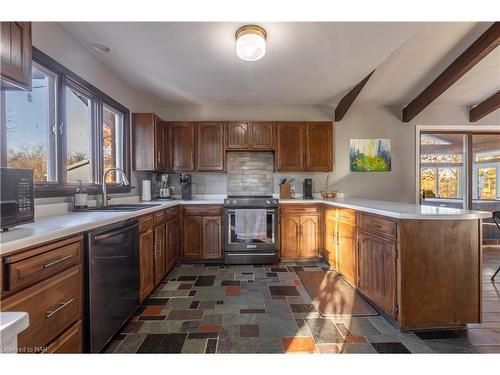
x,y
485,107
346,102
486,43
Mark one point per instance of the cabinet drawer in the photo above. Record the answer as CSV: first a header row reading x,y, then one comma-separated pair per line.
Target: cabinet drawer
x,y
35,265
172,213
347,216
145,223
53,305
201,210
377,224
299,209
159,217
69,342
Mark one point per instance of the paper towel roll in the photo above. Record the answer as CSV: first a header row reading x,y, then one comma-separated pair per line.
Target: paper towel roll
x,y
146,190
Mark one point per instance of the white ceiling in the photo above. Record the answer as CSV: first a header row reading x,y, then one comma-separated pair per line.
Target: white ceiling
x,y
413,66
195,63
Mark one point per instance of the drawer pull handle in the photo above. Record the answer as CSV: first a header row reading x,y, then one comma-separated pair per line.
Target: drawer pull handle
x,y
50,264
62,305
378,226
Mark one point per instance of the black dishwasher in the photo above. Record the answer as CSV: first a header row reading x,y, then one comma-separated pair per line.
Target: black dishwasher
x,y
112,281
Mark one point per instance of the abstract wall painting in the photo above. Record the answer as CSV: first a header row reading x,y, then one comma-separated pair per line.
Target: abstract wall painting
x,y
370,155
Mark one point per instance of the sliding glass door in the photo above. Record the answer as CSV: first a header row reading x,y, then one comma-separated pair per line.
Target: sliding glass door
x,y
461,170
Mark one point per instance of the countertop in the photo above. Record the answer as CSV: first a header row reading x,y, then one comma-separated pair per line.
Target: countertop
x,y
59,224
397,210
11,324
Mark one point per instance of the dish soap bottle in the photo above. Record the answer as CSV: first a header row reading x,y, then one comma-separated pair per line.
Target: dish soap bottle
x,y
81,197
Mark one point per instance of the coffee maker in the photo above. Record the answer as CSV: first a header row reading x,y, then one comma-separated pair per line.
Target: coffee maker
x,y
186,186
163,190
308,188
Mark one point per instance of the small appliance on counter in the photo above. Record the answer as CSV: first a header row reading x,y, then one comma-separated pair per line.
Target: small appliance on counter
x,y
17,200
163,190
308,188
186,186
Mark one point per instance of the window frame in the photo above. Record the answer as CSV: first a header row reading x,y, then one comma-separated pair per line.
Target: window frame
x,y
66,78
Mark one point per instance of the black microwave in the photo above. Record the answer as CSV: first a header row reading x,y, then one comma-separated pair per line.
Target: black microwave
x,y
17,204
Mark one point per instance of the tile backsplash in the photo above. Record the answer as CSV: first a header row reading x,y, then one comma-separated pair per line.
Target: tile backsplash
x,y
250,173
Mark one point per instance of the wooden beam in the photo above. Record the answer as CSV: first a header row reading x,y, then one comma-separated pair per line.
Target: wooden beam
x,y
485,108
346,102
486,43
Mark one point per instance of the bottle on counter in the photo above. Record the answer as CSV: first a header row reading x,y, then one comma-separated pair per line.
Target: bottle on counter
x,y
81,197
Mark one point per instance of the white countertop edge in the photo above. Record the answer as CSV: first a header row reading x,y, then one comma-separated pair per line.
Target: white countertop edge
x,y
11,324
433,213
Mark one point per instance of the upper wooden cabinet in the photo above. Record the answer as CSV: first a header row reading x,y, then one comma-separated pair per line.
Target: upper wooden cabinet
x,y
304,146
210,146
319,147
15,54
250,136
290,146
182,144
150,143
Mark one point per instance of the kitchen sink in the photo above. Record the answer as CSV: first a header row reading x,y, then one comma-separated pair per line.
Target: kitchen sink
x,y
123,207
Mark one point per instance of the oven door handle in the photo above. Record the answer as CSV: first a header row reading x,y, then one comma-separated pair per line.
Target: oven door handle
x,y
271,211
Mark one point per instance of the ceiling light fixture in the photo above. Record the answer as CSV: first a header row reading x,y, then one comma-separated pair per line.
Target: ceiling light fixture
x,y
251,42
99,47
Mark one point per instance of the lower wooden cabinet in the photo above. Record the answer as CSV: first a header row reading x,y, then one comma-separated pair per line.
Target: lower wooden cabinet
x,y
330,244
172,243
202,233
377,264
146,262
300,233
347,245
160,254
71,341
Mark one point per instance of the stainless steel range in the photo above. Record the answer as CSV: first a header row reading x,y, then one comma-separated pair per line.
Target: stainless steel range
x,y
251,232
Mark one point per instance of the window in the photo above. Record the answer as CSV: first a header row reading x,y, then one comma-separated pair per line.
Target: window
x,y
31,126
66,130
112,141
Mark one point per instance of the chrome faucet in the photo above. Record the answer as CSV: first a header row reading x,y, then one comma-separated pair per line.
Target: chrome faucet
x,y
104,187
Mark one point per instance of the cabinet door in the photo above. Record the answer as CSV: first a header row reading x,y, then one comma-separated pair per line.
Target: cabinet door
x,y
290,147
377,271
181,139
164,145
262,136
347,251
160,257
146,263
192,237
209,146
159,146
319,147
212,237
238,136
15,54
331,237
290,229
309,236
172,243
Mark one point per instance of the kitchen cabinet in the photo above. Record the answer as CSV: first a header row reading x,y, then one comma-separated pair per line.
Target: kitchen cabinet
x,y
238,135
49,287
146,257
290,146
160,250
182,145
347,245
172,242
250,136
210,146
300,232
319,147
331,229
15,55
377,262
151,145
202,232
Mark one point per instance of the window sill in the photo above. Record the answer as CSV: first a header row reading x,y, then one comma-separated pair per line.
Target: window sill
x,y
48,191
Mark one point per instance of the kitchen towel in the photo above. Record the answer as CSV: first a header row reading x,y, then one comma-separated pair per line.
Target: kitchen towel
x,y
251,224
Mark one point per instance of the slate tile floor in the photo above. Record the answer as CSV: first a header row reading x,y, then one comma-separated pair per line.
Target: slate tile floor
x,y
265,309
